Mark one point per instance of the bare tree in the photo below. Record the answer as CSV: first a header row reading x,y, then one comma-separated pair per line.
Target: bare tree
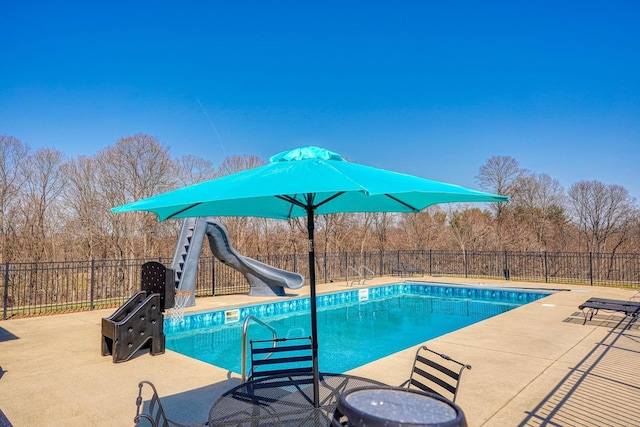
x,y
44,184
499,175
236,163
602,213
12,178
470,228
330,230
382,228
364,221
135,167
240,228
539,201
635,229
422,230
54,210
84,210
192,170
298,234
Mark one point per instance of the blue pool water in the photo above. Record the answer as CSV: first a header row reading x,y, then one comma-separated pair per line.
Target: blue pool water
x,y
354,327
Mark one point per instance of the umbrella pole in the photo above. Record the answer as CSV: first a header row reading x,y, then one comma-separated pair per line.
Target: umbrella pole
x,y
314,320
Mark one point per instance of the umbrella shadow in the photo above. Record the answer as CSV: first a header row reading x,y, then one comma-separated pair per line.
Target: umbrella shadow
x,y
6,335
192,406
602,389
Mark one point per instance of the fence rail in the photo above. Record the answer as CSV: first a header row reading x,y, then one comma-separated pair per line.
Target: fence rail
x,y
31,289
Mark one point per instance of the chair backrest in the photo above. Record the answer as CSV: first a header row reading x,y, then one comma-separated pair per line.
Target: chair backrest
x,y
154,411
282,356
430,374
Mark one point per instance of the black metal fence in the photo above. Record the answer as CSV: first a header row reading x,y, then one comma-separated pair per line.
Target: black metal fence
x,y
30,289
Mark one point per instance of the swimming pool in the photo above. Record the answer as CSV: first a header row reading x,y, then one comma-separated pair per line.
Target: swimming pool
x,y
354,327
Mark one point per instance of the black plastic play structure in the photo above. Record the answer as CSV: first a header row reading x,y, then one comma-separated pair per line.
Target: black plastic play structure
x,y
138,323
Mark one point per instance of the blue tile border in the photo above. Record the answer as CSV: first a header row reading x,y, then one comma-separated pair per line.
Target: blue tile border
x,y
198,321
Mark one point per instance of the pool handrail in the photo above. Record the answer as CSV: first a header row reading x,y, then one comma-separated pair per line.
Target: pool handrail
x,y
245,327
360,274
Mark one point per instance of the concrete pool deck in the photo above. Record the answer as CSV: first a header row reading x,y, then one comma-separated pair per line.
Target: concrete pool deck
x,y
535,365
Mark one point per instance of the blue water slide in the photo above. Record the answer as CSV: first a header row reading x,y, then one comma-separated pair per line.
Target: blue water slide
x,y
264,279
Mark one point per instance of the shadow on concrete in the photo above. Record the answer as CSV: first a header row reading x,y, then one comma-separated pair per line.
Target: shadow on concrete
x,y
6,335
602,389
192,406
4,421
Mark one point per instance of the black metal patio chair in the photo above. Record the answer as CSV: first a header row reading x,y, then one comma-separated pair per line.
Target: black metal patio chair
x,y
153,414
431,376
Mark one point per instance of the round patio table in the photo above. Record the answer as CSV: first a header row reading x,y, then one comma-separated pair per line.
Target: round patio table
x,y
284,400
375,406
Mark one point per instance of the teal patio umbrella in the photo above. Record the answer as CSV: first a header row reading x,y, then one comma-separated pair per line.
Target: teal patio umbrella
x,y
306,181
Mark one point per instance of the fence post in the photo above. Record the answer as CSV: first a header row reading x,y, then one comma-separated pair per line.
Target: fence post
x,y
93,283
346,265
430,262
324,265
381,263
546,268
213,276
6,291
591,268
507,273
466,265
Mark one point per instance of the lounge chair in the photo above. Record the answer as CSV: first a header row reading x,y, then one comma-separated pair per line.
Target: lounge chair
x,y
155,415
592,305
430,376
406,270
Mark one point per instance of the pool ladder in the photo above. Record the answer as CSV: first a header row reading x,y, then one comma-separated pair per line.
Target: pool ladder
x,y
300,353
362,275
245,327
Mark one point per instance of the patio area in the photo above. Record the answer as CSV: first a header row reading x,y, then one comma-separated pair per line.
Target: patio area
x,y
532,366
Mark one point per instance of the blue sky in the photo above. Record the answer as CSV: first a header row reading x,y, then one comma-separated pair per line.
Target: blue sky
x,y
422,87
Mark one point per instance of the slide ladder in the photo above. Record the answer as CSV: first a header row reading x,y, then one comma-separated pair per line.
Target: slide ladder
x,y
187,254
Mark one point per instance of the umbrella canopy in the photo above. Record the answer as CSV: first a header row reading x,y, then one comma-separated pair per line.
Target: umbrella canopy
x,y
306,181
303,178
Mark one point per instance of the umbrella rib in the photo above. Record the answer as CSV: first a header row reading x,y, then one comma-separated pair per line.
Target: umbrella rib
x,y
183,210
327,200
292,200
402,203
297,202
